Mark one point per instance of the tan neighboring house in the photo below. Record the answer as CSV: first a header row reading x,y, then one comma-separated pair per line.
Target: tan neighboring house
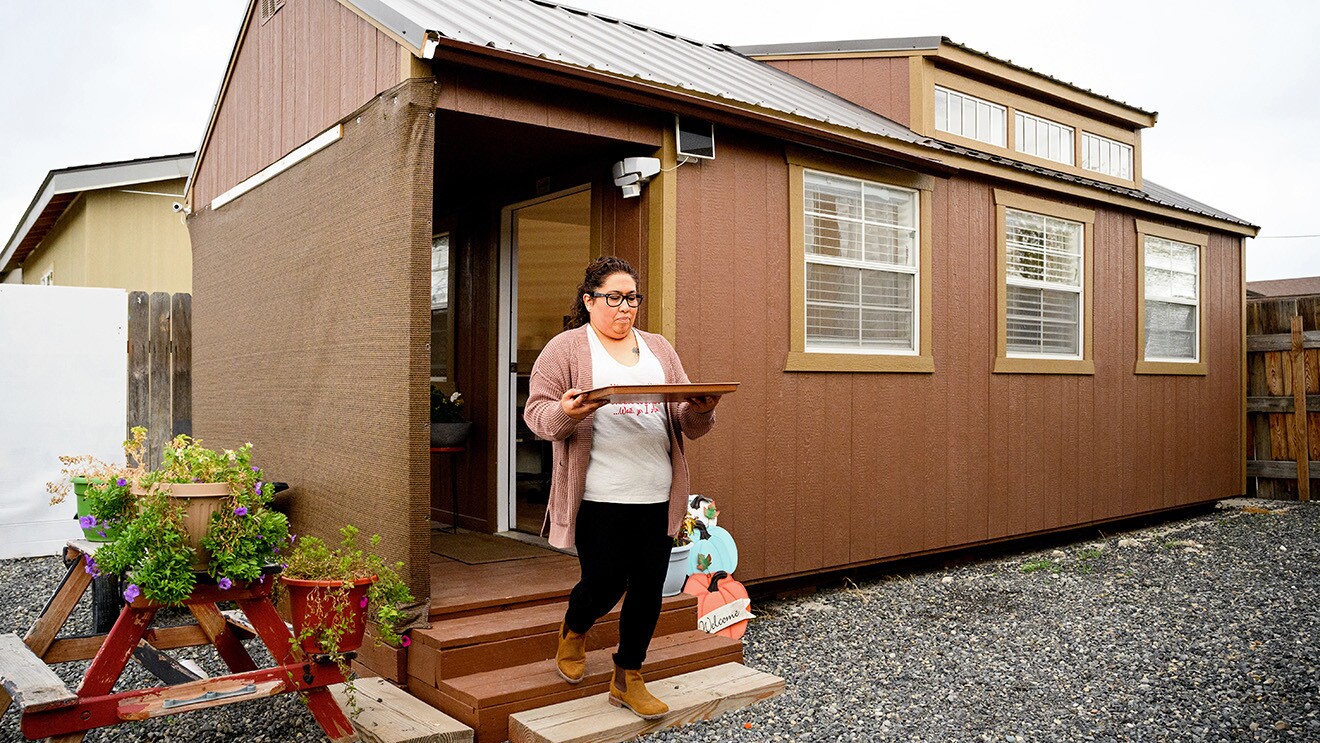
x,y
106,225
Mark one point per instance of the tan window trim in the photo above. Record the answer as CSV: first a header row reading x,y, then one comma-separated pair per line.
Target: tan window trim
x,y
1200,240
1005,364
801,360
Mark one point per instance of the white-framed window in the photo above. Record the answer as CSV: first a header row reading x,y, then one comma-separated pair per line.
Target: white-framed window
x,y
971,117
48,278
1104,155
1044,295
862,250
441,322
1172,292
1043,138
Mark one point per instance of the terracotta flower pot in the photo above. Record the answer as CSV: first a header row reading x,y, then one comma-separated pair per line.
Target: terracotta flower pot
x,y
201,500
316,604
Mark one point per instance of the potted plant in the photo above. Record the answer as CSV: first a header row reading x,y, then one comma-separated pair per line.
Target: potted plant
x,y
168,539
447,425
334,591
104,492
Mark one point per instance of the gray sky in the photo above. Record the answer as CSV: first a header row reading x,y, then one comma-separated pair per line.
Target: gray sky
x,y
1234,83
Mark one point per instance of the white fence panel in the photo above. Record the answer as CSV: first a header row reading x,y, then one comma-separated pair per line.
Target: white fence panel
x,y
63,382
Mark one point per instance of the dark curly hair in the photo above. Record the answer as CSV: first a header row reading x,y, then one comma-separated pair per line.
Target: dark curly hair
x,y
594,278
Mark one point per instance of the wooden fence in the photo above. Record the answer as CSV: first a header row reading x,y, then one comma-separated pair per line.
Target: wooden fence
x,y
1283,397
159,367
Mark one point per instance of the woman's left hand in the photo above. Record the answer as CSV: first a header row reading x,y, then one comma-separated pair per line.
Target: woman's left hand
x,y
704,404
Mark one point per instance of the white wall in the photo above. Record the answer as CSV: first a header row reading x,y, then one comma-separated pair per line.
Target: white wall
x,y
63,382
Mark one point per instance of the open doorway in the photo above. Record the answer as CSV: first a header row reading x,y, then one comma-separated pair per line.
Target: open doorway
x,y
549,243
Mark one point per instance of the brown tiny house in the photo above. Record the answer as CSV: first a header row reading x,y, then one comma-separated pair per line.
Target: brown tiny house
x,y
949,328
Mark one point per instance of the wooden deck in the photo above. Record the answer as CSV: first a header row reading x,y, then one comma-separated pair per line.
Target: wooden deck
x,y
458,589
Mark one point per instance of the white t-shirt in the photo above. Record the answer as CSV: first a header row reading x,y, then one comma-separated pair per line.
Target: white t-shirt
x,y
629,440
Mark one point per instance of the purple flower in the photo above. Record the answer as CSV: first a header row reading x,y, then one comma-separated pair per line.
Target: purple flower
x,y
121,482
406,641
240,511
132,592
261,578
256,469
101,532
363,603
277,550
261,536
87,522
259,484
225,584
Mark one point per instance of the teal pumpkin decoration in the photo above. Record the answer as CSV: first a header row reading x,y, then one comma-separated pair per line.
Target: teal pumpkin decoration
x,y
713,550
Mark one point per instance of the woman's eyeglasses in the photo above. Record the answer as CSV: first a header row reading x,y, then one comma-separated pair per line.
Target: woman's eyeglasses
x,y
614,299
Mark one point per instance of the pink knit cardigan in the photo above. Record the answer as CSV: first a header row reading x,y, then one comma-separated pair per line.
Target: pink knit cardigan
x,y
565,363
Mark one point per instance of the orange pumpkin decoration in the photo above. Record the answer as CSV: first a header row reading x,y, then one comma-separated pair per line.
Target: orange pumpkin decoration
x,y
714,591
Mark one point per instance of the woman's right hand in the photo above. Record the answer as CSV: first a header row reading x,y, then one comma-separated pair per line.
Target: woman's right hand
x,y
577,407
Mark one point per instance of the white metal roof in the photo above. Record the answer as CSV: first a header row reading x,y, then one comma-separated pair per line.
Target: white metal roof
x,y
592,41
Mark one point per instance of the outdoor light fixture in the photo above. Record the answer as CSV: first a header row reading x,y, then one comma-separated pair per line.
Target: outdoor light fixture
x,y
631,172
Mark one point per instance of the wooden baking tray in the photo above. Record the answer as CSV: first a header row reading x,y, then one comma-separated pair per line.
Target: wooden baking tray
x,y
659,392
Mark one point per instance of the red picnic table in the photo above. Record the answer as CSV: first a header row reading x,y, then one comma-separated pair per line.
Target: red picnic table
x,y
50,709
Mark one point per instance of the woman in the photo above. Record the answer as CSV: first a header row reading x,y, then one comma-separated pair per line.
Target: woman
x,y
620,484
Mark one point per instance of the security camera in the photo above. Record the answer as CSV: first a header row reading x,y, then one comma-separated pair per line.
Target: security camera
x,y
177,207
631,172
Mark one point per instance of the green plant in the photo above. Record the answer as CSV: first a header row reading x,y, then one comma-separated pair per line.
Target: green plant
x,y
152,553
313,559
108,495
1090,553
244,537
446,408
1035,565
685,532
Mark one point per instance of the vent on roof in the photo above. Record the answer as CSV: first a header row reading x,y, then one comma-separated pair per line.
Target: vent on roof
x,y
270,8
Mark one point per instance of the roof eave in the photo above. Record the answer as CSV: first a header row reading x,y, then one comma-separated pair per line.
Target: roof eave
x,y
720,110
90,178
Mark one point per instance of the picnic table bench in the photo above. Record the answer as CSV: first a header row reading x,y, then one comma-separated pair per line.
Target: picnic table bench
x,y
49,709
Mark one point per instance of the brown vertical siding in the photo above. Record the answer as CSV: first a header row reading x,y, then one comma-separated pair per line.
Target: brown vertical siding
x,y
820,470
880,84
310,65
310,328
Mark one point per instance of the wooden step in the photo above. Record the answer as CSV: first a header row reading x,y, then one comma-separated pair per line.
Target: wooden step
x,y
484,701
27,680
383,713
468,645
699,695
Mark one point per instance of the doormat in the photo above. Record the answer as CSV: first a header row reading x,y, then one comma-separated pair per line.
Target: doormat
x,y
474,548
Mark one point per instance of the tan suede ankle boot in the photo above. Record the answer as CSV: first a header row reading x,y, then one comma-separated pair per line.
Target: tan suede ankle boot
x,y
627,689
571,657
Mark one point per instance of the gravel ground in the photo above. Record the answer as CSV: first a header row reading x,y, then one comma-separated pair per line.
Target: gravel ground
x,y
1204,629
1198,630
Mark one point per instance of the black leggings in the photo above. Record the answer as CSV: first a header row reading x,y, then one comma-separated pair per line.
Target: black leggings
x,y
623,548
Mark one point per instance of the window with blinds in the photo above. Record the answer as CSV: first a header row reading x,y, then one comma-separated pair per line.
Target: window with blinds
x,y
1043,138
971,117
861,253
1172,300
1044,306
